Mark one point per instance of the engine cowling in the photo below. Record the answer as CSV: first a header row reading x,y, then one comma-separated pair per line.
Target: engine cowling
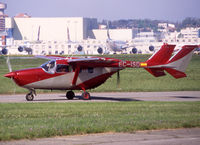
x,y
100,50
134,50
29,51
79,48
151,48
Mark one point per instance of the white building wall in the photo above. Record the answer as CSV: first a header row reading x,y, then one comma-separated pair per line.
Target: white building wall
x,y
9,22
51,29
190,32
53,33
145,37
115,34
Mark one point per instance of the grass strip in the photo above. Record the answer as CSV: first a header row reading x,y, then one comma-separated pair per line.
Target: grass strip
x,y
38,120
131,80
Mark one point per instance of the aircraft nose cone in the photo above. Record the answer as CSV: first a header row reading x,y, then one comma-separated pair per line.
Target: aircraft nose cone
x,y
10,75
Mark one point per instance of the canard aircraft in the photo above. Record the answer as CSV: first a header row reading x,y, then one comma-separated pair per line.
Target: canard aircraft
x,y
83,73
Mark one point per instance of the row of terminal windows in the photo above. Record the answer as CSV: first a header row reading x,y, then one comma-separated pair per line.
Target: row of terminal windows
x,y
188,40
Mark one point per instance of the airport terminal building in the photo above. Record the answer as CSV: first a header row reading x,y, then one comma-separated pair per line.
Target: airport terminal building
x,y
55,29
49,35
51,29
64,35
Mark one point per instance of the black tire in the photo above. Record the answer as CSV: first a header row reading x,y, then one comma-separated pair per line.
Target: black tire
x,y
86,96
70,95
29,97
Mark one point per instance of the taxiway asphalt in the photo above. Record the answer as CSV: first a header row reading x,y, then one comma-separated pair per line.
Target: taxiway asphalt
x,y
157,137
108,97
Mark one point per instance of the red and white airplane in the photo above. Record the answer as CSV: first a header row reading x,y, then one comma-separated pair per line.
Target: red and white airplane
x,y
82,73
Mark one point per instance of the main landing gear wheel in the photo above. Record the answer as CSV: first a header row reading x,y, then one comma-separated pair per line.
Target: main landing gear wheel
x,y
70,95
86,96
30,97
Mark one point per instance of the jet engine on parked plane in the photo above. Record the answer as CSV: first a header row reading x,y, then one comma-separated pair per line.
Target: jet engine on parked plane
x,y
151,48
4,51
24,48
100,50
80,48
134,50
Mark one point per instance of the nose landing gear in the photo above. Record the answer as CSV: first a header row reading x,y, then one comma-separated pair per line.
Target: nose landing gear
x,y
30,95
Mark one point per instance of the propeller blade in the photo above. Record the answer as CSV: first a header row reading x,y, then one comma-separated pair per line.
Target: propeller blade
x,y
8,63
10,70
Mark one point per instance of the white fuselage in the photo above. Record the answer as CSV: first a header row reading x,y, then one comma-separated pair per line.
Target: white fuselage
x,y
64,82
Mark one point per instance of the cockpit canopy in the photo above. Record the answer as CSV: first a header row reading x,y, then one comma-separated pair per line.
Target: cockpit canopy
x,y
51,67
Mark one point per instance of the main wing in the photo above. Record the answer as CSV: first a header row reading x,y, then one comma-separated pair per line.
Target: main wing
x,y
93,61
50,57
84,61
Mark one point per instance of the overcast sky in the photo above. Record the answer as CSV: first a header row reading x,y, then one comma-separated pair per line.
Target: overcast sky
x,y
172,10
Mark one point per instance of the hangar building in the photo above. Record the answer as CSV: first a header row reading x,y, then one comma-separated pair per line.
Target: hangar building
x,y
52,32
51,29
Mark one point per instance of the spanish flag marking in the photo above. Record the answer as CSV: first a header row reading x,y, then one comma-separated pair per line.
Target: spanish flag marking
x,y
143,64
